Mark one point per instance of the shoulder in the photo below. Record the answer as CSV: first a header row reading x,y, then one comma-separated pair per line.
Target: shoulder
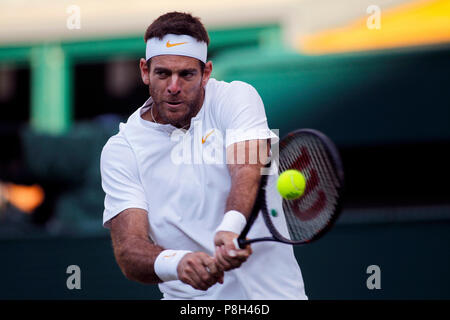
x,y
235,102
231,90
114,143
233,97
119,144
117,151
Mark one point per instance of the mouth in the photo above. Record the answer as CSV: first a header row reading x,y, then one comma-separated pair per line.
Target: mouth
x,y
174,103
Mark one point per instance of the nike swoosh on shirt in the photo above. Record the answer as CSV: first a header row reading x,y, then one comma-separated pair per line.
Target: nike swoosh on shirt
x,y
169,45
206,137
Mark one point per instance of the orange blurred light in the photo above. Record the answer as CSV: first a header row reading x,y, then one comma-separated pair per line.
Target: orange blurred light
x,y
411,24
25,198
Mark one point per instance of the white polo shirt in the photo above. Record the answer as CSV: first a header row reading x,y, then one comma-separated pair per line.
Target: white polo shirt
x,y
182,180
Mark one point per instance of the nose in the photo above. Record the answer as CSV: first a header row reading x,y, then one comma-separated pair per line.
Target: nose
x,y
174,85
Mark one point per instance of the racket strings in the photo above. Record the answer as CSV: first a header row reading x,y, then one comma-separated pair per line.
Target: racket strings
x,y
309,214
300,226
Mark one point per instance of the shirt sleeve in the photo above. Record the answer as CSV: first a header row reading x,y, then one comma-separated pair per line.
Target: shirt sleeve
x,y
243,116
120,179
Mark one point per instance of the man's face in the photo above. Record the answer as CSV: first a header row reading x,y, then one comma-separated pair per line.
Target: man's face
x,y
176,85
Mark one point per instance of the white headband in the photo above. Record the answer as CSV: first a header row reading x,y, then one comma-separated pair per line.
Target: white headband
x,y
180,45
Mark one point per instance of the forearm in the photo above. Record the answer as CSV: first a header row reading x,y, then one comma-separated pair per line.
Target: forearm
x,y
136,258
244,188
245,181
134,251
143,261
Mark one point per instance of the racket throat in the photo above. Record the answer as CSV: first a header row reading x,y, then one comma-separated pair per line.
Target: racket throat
x,y
241,243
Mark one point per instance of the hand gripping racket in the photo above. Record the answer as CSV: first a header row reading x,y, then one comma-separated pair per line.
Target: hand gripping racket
x,y
308,217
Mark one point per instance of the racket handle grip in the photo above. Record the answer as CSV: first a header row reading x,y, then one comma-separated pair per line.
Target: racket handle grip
x,y
236,243
239,243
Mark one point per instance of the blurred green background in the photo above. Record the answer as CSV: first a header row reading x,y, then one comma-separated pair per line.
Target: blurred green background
x,y
69,75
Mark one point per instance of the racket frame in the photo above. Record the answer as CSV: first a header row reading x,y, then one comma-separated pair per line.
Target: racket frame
x,y
260,201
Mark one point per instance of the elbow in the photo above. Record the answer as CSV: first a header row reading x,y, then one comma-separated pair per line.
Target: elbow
x,y
122,260
127,273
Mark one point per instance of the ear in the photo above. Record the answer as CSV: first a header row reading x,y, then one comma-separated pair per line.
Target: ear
x,y
144,71
207,73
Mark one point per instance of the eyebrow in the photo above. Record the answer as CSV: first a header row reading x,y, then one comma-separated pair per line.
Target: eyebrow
x,y
162,69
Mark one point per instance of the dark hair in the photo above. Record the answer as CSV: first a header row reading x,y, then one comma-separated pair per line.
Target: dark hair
x,y
177,23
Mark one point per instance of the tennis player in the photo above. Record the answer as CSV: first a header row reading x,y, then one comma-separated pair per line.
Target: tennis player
x,y
177,194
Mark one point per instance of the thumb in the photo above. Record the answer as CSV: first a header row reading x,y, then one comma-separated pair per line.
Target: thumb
x,y
218,241
231,247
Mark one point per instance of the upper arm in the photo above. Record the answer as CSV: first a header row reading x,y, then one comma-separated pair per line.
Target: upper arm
x,y
120,179
242,114
248,155
245,174
248,135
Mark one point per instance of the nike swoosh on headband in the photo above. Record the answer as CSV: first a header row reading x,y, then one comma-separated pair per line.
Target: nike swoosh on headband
x,y
169,45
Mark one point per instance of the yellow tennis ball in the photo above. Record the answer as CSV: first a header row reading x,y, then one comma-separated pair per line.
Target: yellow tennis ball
x,y
291,184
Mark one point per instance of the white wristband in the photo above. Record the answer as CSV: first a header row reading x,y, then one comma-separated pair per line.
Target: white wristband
x,y
233,221
167,262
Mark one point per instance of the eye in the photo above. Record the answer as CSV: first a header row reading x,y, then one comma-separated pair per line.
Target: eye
x,y
161,73
187,74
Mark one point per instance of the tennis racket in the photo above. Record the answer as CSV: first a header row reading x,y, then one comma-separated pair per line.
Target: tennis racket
x,y
310,216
